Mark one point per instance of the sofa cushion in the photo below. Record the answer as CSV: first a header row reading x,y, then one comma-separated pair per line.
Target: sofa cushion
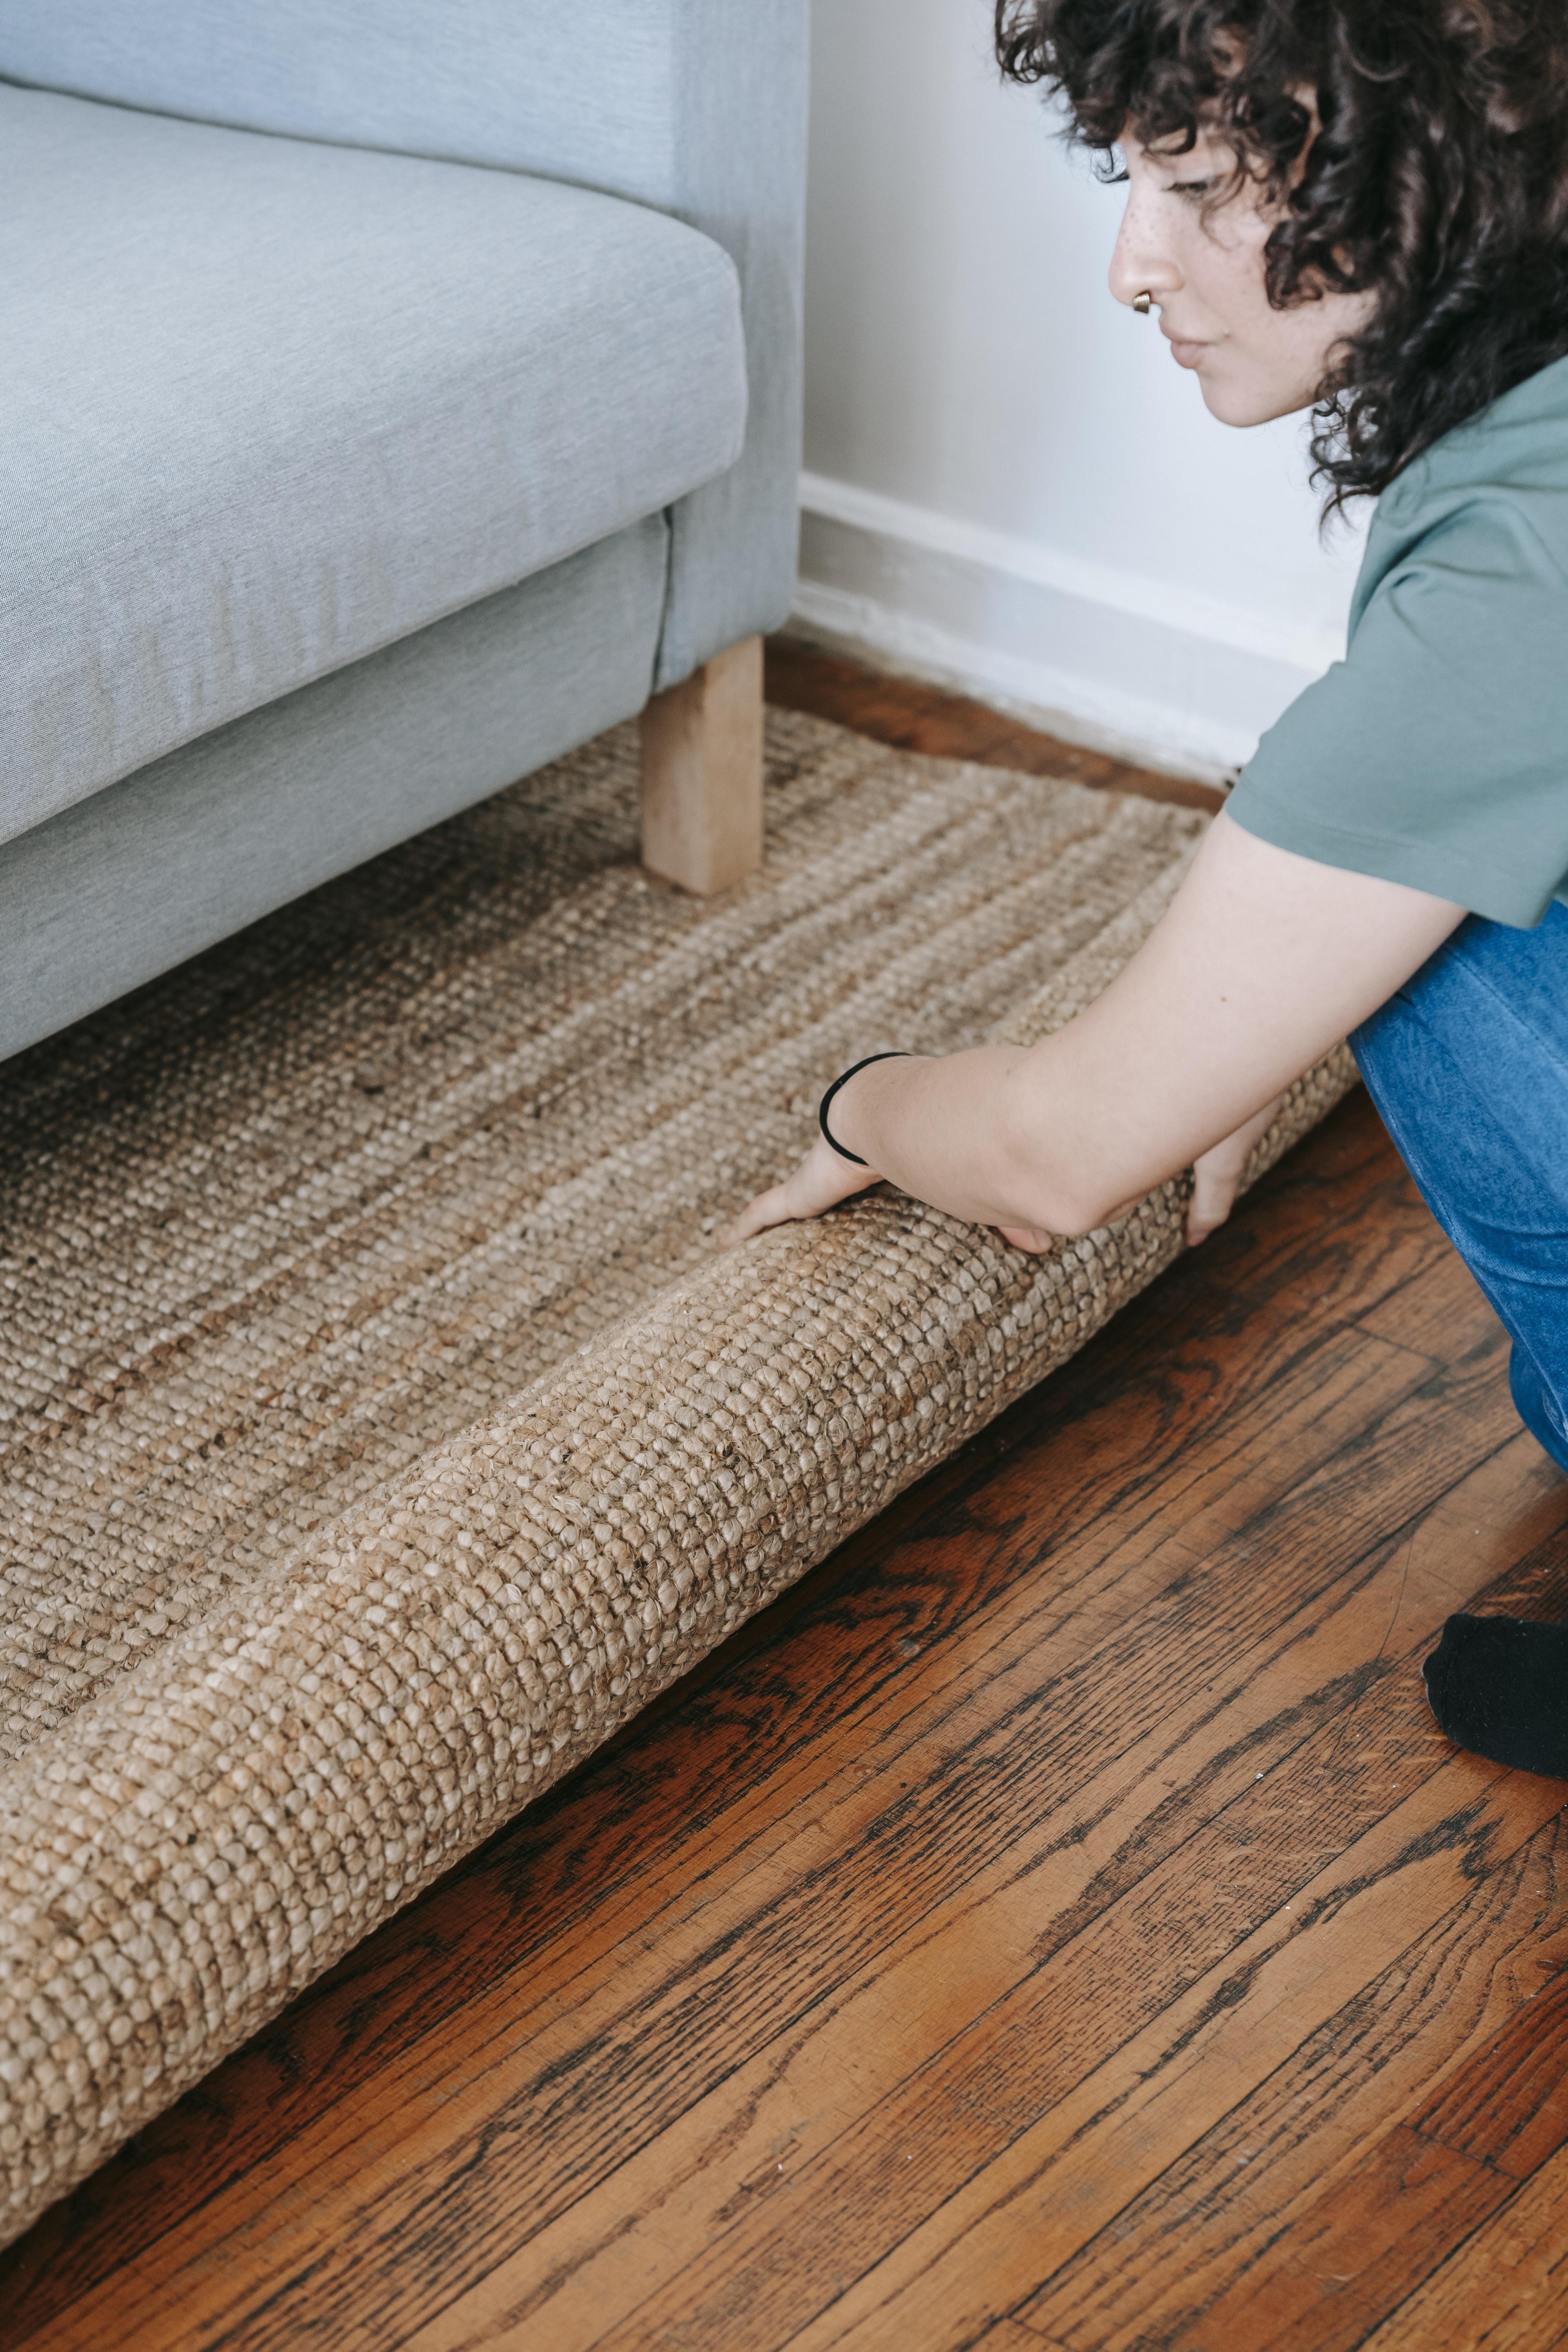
x,y
599,91
697,107
268,405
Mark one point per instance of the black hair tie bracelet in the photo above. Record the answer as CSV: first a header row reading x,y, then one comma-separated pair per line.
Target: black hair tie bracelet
x,y
827,1135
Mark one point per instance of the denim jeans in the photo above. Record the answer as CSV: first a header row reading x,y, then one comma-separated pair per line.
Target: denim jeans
x,y
1468,1066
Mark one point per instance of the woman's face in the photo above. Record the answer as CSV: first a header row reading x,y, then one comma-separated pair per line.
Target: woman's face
x,y
1203,263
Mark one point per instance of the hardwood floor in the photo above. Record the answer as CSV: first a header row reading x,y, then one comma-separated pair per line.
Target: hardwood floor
x,y
1057,1923
802,677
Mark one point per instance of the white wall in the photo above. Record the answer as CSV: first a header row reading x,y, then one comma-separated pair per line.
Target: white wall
x,y
1009,482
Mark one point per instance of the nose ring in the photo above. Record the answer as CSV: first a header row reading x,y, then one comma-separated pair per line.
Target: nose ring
x,y
1142,304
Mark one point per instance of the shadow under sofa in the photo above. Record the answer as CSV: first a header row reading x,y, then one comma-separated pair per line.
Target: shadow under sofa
x,y
396,398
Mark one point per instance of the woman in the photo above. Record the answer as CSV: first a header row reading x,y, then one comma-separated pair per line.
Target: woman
x,y
1359,207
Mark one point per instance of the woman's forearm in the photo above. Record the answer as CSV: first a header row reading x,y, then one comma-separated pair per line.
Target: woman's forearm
x,y
1263,962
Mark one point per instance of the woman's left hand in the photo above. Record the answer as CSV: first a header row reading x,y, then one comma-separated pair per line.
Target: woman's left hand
x,y
1217,1174
1216,1180
823,1179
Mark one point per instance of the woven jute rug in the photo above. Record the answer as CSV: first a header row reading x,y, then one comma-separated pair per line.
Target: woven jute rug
x,y
381,1427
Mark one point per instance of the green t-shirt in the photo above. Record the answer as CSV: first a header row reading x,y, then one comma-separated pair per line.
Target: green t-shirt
x,y
1436,753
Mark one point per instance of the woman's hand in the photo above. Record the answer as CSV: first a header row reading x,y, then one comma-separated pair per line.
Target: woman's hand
x,y
1217,1179
823,1179
1033,1238
1217,1174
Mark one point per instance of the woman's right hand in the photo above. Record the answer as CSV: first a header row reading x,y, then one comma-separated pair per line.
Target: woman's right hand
x,y
823,1179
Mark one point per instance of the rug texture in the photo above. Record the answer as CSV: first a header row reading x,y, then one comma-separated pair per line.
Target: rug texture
x,y
381,1427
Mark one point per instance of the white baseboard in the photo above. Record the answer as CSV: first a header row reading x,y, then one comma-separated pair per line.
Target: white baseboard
x,y
1134,666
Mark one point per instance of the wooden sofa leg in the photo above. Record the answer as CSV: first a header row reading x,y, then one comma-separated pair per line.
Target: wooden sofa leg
x,y
703,775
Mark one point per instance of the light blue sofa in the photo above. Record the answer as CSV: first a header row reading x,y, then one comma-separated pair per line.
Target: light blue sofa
x,y
394,394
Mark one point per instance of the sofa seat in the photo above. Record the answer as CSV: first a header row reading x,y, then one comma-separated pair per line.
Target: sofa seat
x,y
269,405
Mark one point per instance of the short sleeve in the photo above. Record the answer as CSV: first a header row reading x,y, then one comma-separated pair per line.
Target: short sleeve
x,y
1436,754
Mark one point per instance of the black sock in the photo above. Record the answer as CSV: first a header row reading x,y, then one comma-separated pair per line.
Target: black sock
x,y
1499,1686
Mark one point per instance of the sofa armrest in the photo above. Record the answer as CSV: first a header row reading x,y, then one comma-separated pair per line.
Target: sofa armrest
x,y
740,167
696,107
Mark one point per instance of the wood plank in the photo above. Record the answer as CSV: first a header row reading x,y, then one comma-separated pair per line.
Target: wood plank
x,y
1424,1312
1505,2290
1414,2201
1372,2237
974,2254
1456,2028
901,711
915,716
1510,2107
993,2219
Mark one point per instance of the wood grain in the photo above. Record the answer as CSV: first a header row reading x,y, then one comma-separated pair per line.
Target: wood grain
x,y
1058,1923
916,718
1245,2188
1504,2290
703,775
1362,2246
1037,2136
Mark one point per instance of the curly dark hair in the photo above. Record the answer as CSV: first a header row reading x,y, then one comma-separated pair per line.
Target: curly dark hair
x,y
1437,181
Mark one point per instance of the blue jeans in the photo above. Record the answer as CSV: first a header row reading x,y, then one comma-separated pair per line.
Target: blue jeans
x,y
1468,1066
